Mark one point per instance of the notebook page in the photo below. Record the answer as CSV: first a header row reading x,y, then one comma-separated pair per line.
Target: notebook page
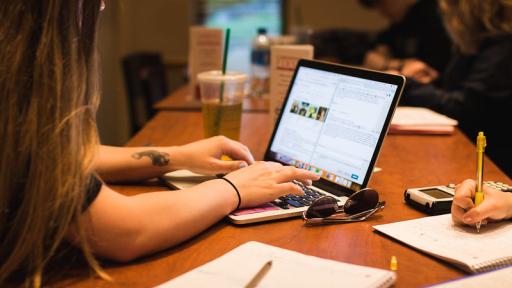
x,y
437,235
496,279
289,269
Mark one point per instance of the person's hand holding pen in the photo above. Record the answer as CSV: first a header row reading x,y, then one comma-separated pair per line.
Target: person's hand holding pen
x,y
497,204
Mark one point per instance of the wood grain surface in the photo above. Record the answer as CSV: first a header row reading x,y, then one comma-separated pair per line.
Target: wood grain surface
x,y
407,161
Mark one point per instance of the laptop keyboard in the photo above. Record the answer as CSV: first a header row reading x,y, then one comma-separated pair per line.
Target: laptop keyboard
x,y
295,201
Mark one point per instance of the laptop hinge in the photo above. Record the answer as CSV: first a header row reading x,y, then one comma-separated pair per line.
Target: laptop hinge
x,y
339,191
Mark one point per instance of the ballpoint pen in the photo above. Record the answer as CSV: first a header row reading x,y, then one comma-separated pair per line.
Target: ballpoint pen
x,y
479,194
259,276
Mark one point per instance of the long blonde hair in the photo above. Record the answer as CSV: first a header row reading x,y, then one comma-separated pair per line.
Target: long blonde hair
x,y
48,101
469,22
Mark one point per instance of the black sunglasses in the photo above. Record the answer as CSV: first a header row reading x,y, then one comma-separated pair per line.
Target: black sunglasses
x,y
358,207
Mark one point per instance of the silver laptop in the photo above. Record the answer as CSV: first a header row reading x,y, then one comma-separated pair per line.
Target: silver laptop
x,y
333,122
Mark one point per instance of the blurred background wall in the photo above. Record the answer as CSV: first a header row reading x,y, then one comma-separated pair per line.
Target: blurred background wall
x,y
162,25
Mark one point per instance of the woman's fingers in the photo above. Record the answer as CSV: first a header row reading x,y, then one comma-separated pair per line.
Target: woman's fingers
x,y
457,214
466,188
496,205
236,150
289,188
463,200
290,173
464,194
480,213
225,167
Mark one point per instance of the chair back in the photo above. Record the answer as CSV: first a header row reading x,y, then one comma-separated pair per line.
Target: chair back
x,y
145,80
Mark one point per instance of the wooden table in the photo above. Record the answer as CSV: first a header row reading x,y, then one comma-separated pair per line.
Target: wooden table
x,y
407,161
182,100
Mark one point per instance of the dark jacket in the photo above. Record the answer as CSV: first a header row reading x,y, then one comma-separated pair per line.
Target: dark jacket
x,y
477,91
420,34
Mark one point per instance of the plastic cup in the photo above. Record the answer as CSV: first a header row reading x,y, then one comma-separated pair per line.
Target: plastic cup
x,y
221,102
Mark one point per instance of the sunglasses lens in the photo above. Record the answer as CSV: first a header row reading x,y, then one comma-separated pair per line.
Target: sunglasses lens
x,y
322,207
362,200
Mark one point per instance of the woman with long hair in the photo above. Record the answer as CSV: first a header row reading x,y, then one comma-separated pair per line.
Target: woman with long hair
x,y
53,168
476,88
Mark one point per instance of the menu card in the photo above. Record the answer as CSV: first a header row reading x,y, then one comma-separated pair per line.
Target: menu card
x,y
283,60
205,53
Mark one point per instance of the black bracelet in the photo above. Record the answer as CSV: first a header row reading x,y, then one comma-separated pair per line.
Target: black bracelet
x,y
237,193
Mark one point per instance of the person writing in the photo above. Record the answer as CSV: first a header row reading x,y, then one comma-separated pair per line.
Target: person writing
x,y
496,206
53,169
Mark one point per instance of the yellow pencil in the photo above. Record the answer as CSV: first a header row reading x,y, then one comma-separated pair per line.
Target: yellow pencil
x,y
480,149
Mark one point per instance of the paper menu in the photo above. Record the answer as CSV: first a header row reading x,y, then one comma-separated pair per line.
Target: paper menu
x,y
457,244
237,267
283,60
205,53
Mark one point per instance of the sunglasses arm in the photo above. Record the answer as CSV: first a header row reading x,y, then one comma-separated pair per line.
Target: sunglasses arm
x,y
352,218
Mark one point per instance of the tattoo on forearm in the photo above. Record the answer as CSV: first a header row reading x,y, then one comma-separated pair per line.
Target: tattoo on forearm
x,y
158,158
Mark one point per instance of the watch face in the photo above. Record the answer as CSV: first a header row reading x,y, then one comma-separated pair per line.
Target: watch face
x,y
436,193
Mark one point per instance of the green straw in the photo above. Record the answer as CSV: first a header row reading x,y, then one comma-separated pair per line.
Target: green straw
x,y
224,62
218,116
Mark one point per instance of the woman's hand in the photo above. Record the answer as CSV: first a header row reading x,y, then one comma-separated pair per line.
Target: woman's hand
x,y
419,71
267,181
497,205
204,156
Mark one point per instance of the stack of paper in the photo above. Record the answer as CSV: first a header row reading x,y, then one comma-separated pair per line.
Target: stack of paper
x,y
417,120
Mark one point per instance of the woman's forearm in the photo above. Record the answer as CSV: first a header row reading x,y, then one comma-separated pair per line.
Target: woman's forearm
x,y
115,164
123,228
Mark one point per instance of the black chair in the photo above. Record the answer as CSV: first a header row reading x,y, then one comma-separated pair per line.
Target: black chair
x,y
145,80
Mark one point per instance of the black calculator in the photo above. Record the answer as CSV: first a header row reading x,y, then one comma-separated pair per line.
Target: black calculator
x,y
436,200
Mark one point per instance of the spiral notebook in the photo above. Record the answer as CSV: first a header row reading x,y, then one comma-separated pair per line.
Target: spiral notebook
x,y
459,245
288,269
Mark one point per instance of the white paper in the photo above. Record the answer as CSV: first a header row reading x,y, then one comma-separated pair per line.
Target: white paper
x,y
420,116
462,245
289,269
183,179
496,279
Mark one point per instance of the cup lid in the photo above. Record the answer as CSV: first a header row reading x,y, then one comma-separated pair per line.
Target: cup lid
x,y
217,76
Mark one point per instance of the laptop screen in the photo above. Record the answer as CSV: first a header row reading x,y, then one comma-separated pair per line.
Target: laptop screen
x,y
331,124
